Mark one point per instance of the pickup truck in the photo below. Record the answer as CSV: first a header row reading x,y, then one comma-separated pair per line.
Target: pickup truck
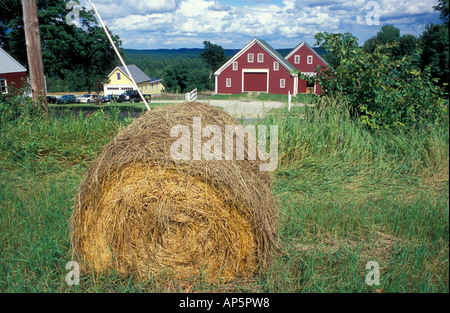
x,y
133,96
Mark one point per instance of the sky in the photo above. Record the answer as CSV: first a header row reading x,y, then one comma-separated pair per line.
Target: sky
x,y
172,24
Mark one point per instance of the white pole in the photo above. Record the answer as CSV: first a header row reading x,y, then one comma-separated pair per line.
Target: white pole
x,y
118,54
289,101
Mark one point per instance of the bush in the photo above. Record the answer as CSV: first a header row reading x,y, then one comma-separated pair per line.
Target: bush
x,y
381,92
16,104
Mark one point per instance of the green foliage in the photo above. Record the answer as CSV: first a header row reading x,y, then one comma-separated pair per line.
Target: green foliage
x,y
182,70
16,105
435,47
443,7
381,91
82,56
214,57
401,45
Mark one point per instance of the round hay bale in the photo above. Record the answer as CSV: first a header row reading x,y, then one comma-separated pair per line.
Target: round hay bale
x,y
140,211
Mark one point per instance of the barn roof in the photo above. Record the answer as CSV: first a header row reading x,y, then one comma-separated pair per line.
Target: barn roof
x,y
8,64
266,47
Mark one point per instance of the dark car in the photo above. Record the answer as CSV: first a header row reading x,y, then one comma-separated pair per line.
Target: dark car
x,y
67,99
133,96
51,99
113,98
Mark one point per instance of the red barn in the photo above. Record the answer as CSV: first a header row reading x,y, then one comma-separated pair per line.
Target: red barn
x,y
257,67
305,59
11,72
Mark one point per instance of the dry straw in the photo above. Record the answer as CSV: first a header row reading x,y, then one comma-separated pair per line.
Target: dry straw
x,y
139,211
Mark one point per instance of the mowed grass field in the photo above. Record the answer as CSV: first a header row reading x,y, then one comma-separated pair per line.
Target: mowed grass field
x,y
347,196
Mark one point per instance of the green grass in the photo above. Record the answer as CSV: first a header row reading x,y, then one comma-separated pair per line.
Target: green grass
x,y
347,196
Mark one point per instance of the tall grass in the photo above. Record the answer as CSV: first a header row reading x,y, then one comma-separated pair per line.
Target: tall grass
x,y
347,196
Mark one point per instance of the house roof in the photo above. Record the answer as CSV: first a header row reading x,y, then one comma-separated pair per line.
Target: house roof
x,y
266,47
138,75
303,43
8,64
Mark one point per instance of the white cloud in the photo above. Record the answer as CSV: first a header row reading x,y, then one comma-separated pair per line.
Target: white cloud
x,y
187,23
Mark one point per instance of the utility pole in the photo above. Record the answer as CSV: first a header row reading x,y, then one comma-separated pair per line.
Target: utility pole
x,y
33,42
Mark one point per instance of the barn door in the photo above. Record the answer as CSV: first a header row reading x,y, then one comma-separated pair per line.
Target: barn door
x,y
255,82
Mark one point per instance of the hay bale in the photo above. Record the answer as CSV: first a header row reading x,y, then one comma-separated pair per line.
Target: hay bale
x,y
139,210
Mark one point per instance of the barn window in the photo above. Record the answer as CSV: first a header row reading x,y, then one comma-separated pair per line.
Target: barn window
x,y
297,59
276,66
282,83
228,82
260,57
118,76
250,58
235,66
310,59
3,87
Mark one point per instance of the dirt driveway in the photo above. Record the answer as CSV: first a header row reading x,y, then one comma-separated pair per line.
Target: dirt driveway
x,y
239,108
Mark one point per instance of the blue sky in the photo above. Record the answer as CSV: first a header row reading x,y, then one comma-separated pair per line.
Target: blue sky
x,y
155,24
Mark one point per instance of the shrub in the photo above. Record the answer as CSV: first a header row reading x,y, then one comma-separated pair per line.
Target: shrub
x,y
16,104
381,92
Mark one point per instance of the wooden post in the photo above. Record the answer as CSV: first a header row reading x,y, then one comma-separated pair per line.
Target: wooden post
x,y
33,42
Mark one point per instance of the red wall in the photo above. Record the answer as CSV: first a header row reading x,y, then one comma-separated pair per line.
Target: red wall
x,y
303,52
236,76
303,66
16,79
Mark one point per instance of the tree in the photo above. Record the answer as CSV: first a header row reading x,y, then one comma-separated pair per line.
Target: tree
x,y
443,7
214,56
83,49
389,34
435,46
382,92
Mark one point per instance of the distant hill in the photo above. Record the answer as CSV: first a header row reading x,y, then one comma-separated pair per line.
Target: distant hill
x,y
195,52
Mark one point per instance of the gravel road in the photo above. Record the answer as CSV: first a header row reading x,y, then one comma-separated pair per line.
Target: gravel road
x,y
247,109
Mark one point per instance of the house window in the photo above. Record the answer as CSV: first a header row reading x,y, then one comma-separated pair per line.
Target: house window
x,y
235,66
118,76
250,58
297,59
228,82
276,66
3,87
260,57
282,83
310,59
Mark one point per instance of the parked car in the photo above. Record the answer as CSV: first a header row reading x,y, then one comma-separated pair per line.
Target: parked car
x,y
88,98
67,99
51,99
116,98
133,96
